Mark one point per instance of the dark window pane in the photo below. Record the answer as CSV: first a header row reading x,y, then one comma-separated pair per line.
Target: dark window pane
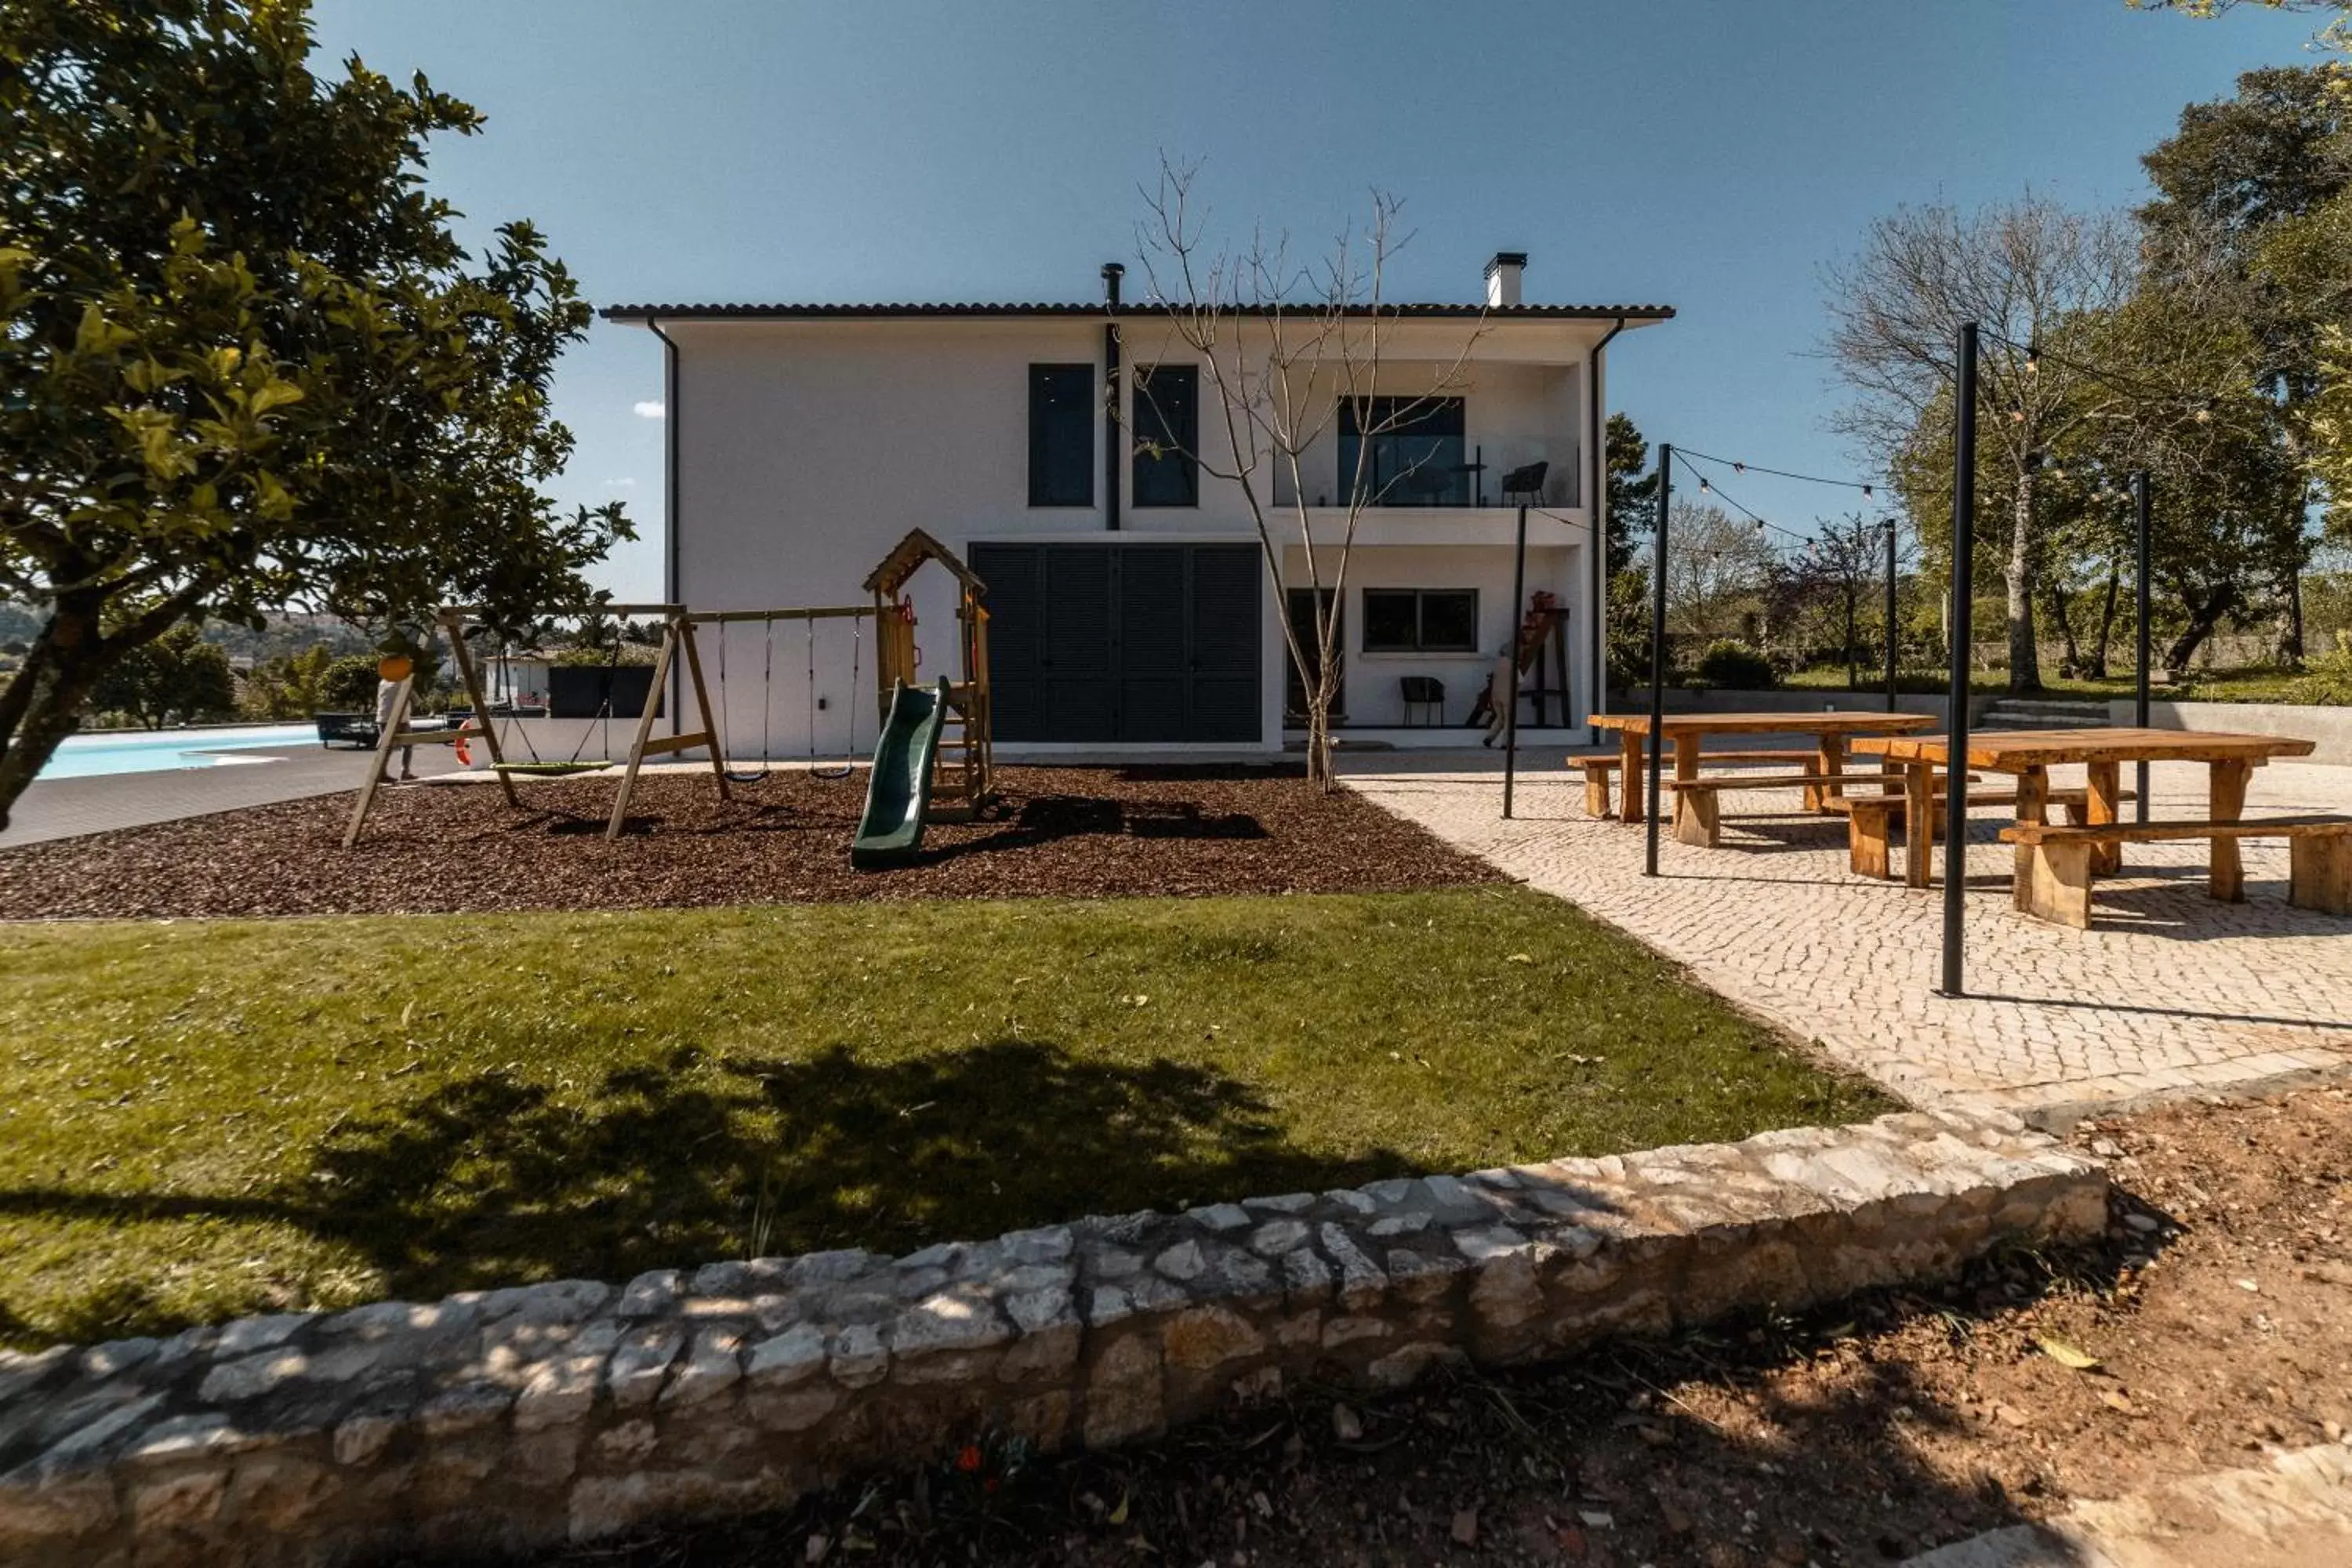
x,y
1390,620
1061,435
1449,620
1166,432
1414,454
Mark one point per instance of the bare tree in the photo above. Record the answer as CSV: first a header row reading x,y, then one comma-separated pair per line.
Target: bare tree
x,y
2033,275
1288,350
1716,565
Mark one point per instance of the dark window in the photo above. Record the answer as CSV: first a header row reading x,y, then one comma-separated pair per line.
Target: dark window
x,y
1405,451
1167,435
1420,620
1061,435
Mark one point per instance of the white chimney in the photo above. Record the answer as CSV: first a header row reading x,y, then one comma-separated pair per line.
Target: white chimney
x,y
1503,277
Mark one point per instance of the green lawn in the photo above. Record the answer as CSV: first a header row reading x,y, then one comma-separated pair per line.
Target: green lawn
x,y
202,1118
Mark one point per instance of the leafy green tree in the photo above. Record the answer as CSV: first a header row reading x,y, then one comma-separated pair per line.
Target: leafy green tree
x,y
245,363
2252,195
177,676
291,686
1632,491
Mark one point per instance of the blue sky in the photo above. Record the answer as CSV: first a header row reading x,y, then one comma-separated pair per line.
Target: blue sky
x,y
1707,155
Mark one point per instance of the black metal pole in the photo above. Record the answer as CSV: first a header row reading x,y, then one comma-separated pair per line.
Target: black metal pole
x,y
1956,790
1658,650
1891,635
2141,509
1511,681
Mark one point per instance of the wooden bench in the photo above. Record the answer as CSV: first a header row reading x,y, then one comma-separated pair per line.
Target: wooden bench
x,y
1599,771
2058,883
1871,818
1698,813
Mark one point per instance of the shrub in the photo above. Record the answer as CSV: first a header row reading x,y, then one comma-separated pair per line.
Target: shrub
x,y
1727,663
2327,681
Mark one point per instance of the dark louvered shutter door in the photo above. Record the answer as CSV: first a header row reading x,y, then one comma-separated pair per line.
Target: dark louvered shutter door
x,y
1154,660
1016,637
1081,671
1225,658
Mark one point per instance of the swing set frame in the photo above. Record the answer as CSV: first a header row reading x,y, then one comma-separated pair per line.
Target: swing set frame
x,y
678,645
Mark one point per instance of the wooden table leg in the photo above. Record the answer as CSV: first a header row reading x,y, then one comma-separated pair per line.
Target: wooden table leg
x,y
1632,775
2226,801
2033,807
1687,749
1919,823
2106,859
1829,757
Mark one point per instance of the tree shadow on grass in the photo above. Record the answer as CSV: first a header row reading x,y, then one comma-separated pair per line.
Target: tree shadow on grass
x,y
493,1179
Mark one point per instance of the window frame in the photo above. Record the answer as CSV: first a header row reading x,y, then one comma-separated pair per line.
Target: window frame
x,y
1438,409
1420,643
1185,443
1041,374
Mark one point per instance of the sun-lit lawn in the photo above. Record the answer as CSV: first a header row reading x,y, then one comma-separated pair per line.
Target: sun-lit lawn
x,y
202,1118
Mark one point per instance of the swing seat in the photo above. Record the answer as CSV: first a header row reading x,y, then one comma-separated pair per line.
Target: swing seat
x,y
547,769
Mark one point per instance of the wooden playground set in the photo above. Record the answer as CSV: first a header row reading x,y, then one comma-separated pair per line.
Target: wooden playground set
x,y
932,761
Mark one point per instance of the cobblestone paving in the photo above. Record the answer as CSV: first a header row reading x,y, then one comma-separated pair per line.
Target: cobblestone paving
x,y
2169,993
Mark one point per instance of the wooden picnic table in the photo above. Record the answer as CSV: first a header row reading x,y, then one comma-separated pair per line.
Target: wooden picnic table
x,y
1830,730
2029,754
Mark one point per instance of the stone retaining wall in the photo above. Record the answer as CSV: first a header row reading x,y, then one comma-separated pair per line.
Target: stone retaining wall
x,y
514,1418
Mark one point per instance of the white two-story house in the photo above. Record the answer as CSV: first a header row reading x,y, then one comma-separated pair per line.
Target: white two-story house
x,y
1128,594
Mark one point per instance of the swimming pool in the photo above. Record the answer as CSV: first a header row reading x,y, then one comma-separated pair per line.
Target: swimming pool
x,y
160,751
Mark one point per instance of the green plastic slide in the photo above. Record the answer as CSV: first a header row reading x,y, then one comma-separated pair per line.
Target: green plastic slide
x,y
898,792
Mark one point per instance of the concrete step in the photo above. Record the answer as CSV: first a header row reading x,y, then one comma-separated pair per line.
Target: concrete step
x,y
2042,714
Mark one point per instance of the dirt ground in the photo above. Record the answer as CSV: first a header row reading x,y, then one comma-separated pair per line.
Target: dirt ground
x,y
2219,1312
1071,832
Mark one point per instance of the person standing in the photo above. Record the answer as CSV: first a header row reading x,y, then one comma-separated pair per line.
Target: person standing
x,y
389,673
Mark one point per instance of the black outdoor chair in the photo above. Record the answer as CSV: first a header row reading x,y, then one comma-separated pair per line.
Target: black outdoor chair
x,y
1426,692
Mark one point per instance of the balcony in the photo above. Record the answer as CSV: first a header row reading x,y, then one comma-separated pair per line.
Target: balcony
x,y
1443,476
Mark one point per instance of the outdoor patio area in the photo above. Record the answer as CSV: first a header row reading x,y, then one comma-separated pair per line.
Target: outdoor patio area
x,y
2171,992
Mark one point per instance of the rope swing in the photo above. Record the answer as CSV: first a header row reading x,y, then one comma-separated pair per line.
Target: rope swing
x,y
842,770
767,706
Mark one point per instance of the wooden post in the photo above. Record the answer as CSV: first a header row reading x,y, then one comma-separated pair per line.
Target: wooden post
x,y
2033,806
1919,826
645,730
455,625
701,704
386,735
2100,807
2226,803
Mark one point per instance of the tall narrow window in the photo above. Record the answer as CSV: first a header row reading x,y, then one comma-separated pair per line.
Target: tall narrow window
x,y
1061,435
1405,451
1167,435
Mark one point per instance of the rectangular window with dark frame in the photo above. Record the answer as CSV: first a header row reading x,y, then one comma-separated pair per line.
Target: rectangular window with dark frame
x,y
1167,435
1420,620
1406,451
1062,434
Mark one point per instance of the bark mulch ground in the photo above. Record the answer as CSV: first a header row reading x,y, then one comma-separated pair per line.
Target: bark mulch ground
x,y
1062,832
2218,1312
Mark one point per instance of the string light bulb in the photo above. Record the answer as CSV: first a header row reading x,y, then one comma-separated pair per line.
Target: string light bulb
x,y
1706,489
2034,359
1867,491
1759,525
2204,417
2017,416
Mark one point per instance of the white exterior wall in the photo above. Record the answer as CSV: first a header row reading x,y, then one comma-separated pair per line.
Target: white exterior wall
x,y
807,448
1374,690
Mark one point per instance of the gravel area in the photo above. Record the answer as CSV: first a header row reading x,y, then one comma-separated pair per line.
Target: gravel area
x,y
2216,1321
449,848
